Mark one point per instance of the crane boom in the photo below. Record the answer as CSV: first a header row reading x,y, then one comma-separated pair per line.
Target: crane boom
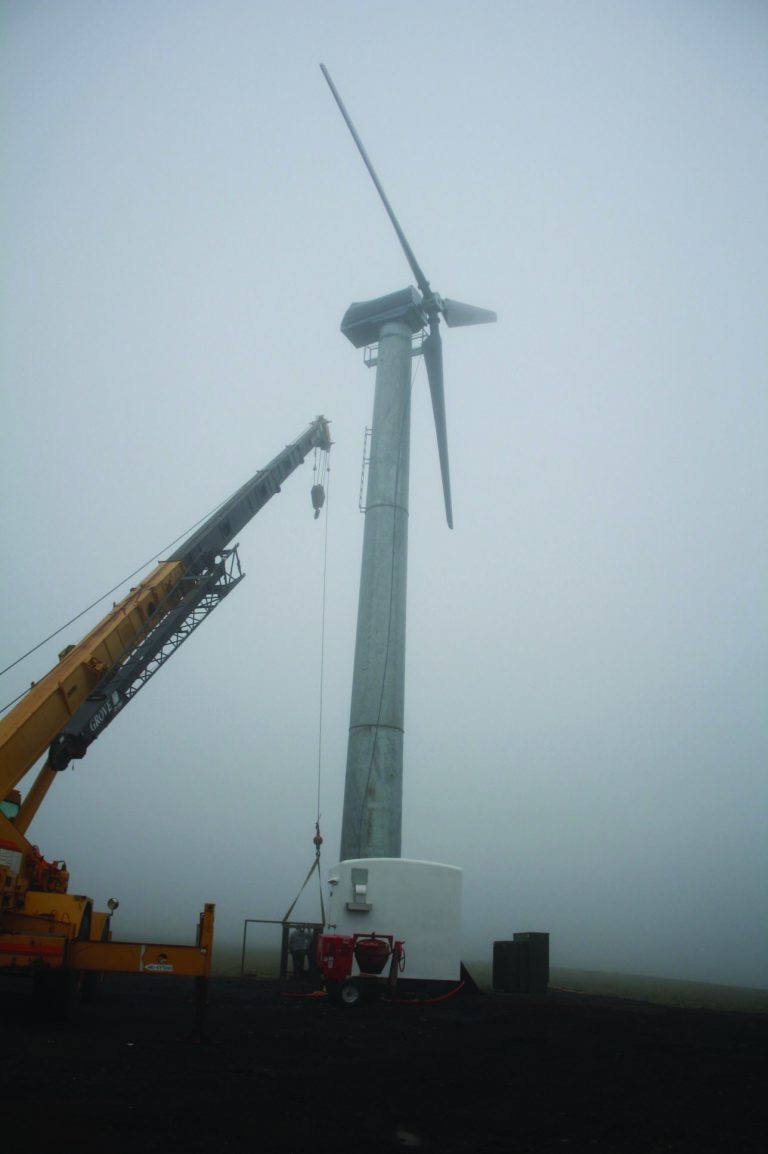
x,y
94,680
45,931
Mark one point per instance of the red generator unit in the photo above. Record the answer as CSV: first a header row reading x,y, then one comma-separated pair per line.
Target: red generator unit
x,y
353,965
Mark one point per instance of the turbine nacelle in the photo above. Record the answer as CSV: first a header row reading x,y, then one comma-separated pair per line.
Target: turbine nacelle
x,y
361,323
363,319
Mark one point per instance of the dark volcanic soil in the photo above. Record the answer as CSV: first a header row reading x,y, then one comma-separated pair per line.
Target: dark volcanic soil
x,y
476,1073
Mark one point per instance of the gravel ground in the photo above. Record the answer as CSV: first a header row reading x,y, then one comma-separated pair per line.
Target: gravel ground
x,y
281,1072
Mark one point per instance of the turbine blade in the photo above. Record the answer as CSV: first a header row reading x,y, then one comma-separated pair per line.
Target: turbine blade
x,y
433,358
456,314
421,280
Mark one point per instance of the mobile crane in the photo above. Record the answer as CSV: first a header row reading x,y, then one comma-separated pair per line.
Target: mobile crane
x,y
45,930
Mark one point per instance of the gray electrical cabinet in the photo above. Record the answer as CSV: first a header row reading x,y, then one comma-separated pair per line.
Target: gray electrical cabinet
x,y
522,965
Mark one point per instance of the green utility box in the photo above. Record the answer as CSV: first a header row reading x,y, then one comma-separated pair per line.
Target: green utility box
x,y
522,965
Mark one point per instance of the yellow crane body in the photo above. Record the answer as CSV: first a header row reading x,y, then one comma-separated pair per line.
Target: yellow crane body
x,y
43,928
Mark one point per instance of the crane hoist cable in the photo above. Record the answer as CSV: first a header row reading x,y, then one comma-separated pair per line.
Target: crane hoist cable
x,y
319,493
322,472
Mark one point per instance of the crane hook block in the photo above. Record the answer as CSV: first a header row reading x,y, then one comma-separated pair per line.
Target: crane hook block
x,y
318,499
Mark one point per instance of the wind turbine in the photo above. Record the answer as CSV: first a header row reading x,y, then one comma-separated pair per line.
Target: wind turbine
x,y
372,816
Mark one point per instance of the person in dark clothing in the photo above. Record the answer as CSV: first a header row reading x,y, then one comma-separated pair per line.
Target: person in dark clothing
x,y
299,941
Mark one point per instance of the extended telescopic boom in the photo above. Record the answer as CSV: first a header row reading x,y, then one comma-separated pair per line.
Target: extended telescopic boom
x,y
95,679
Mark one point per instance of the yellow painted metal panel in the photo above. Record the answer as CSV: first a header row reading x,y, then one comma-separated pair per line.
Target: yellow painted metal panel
x,y
23,923
24,951
140,958
66,908
148,957
99,926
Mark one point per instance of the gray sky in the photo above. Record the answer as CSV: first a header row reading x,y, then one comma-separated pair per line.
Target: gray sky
x,y
184,222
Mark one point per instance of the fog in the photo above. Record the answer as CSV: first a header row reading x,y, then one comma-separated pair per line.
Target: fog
x,y
184,223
